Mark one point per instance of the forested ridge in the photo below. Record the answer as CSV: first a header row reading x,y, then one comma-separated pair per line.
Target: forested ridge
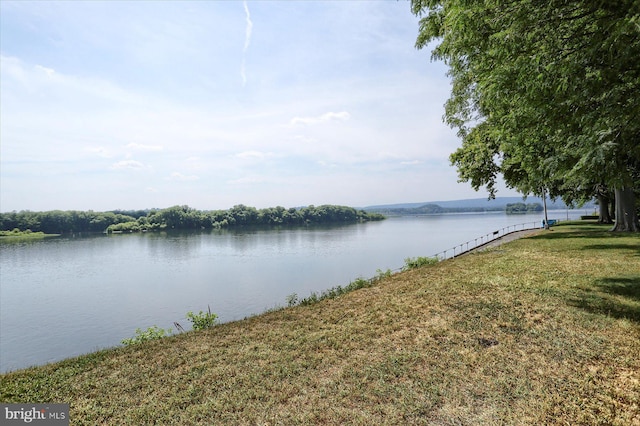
x,y
177,217
431,208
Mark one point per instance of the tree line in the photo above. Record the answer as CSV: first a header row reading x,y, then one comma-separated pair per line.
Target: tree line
x,y
432,209
177,217
520,208
544,93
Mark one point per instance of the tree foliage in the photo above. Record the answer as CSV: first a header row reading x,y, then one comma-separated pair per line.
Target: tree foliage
x,y
61,222
545,93
178,217
521,208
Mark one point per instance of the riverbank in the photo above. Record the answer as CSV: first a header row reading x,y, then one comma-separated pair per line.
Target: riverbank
x,y
545,329
22,235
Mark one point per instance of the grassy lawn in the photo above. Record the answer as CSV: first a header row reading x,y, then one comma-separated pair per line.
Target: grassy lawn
x,y
543,330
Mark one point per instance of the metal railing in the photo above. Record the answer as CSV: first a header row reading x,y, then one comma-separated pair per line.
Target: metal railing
x,y
484,239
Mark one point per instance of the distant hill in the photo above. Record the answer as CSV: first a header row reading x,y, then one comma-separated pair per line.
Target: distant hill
x,y
461,206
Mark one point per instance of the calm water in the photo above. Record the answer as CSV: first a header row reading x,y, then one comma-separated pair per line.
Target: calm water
x,y
63,297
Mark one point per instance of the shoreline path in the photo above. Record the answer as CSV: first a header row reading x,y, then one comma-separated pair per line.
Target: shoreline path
x,y
504,239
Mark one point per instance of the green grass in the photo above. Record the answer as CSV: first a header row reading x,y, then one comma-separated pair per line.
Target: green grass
x,y
543,330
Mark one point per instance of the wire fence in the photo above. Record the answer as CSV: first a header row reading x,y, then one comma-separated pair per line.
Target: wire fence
x,y
456,251
482,240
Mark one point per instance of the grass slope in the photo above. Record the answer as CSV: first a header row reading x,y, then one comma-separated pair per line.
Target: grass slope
x,y
543,330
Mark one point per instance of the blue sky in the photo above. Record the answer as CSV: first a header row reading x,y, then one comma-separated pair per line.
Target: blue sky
x,y
129,105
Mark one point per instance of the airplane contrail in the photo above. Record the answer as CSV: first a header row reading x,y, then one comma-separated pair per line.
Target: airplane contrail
x,y
247,38
247,41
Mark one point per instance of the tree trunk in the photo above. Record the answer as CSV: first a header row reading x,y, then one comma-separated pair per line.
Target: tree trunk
x,y
603,203
626,216
544,203
612,207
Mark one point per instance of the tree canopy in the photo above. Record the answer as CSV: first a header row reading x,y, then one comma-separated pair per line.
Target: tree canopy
x,y
545,93
178,217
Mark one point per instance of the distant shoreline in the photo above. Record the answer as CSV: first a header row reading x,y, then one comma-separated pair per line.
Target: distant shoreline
x,y
178,218
408,212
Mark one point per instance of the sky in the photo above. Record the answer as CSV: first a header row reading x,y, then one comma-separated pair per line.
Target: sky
x,y
143,104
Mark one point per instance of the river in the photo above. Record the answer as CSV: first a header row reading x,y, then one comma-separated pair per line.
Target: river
x,y
63,297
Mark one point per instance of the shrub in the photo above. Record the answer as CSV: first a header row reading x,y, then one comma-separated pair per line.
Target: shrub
x,y
418,262
380,274
332,293
292,299
358,284
151,333
202,320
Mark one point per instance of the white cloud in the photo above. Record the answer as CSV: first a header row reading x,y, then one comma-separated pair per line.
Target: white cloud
x,y
340,116
11,67
142,147
247,180
128,164
254,155
193,164
48,71
182,178
100,151
328,165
